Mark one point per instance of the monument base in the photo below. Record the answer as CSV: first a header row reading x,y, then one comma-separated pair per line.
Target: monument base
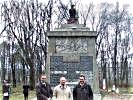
x,y
97,96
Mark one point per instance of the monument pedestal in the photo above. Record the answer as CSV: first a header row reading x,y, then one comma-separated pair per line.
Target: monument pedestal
x,y
71,51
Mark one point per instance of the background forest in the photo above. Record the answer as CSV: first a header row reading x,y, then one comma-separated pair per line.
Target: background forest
x,y
23,35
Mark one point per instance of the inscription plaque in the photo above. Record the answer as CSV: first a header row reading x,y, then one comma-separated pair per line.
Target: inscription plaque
x,y
70,70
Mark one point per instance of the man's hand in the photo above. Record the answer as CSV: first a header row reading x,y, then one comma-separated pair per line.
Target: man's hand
x,y
49,98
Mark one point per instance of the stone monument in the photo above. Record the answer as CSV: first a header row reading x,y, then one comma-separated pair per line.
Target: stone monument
x,y
71,51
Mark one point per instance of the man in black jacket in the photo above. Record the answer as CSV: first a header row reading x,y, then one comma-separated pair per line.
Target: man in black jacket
x,y
26,91
82,91
43,89
6,90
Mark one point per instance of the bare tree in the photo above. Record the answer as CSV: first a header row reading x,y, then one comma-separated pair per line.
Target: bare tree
x,y
119,23
26,22
111,25
84,13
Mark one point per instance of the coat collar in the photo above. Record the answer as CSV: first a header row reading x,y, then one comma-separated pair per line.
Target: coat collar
x,y
65,86
85,84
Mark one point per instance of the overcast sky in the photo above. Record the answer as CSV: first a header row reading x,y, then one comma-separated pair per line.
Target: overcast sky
x,y
94,1
122,2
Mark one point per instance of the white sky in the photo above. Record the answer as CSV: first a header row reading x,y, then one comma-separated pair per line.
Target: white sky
x,y
94,1
122,2
130,2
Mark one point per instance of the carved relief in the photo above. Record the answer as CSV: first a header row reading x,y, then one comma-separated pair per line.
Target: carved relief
x,y
71,45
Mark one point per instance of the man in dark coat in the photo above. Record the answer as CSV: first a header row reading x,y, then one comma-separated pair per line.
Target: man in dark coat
x,y
43,89
25,91
6,90
82,91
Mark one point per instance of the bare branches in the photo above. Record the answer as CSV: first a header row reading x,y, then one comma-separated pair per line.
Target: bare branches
x,y
27,22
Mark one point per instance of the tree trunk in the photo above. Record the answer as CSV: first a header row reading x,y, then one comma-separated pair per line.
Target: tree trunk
x,y
24,74
13,72
3,64
32,77
126,65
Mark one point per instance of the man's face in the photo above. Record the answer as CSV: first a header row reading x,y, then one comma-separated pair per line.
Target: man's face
x,y
43,78
81,80
5,82
63,81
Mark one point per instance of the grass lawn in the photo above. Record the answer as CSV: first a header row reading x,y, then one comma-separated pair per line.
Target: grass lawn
x,y
17,94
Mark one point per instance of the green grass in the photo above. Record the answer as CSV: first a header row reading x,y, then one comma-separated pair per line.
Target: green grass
x,y
122,90
17,94
130,89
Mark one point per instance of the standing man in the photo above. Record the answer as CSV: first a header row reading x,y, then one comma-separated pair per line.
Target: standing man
x,y
62,91
6,90
26,91
82,91
43,89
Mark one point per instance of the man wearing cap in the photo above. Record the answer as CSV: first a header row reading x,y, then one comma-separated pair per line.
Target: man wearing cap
x,y
62,91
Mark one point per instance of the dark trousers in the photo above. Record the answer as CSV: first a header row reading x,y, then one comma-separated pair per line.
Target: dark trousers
x,y
5,97
25,97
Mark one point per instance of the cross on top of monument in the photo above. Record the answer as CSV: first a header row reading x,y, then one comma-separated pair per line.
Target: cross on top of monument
x,y
73,19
